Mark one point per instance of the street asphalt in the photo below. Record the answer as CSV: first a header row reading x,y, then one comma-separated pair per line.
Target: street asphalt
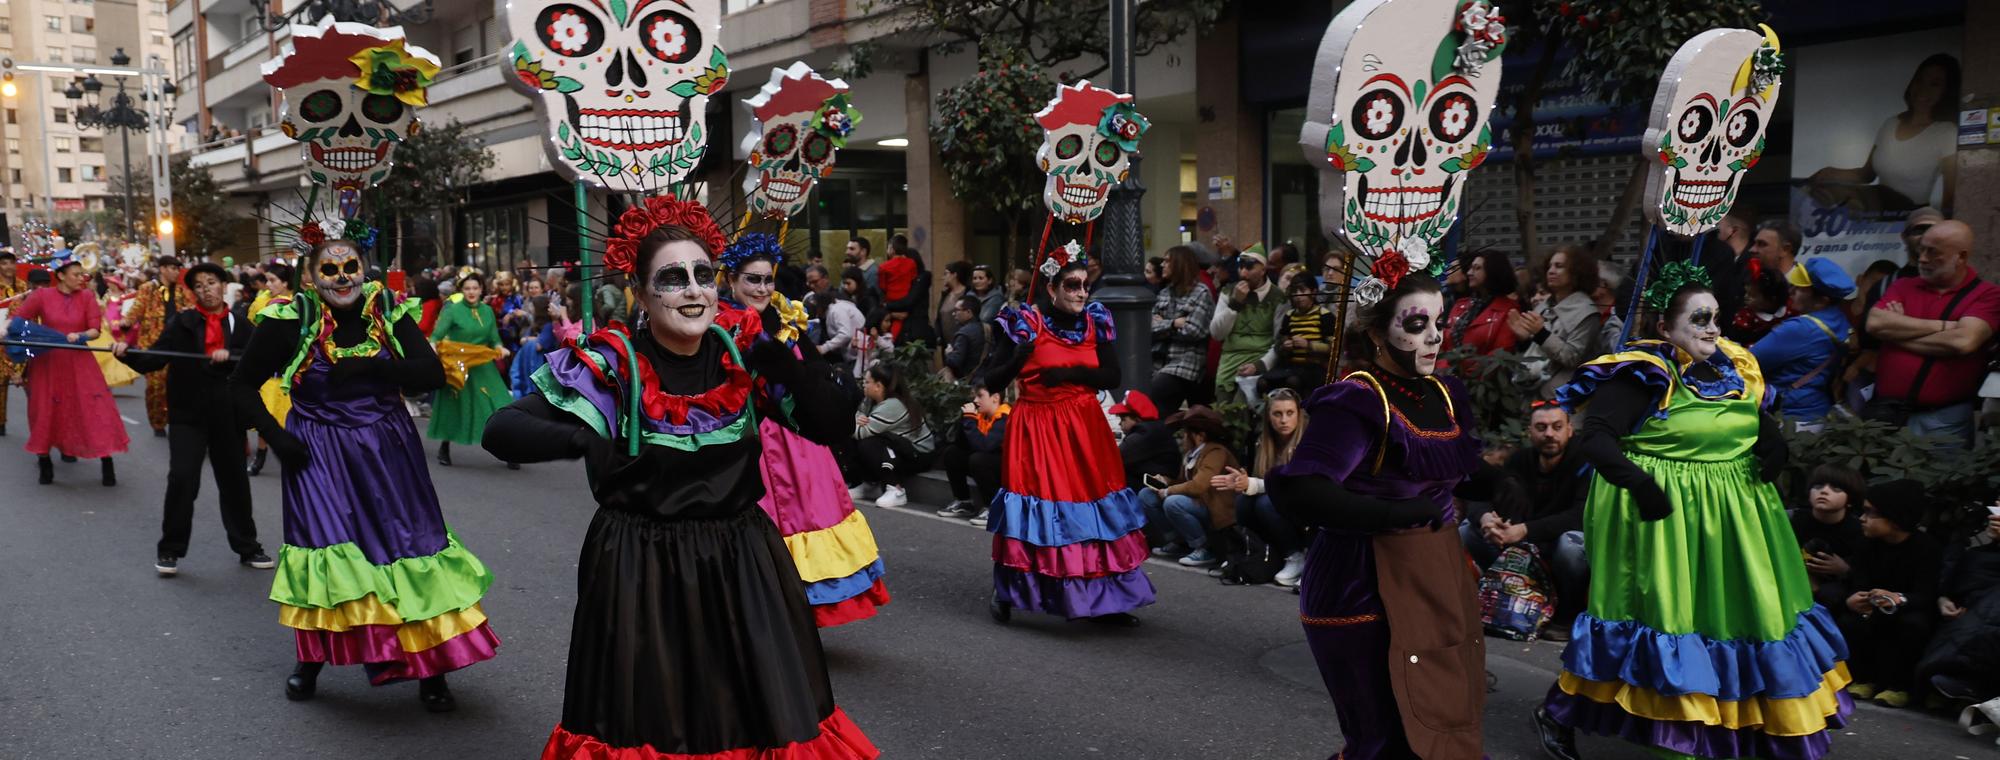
x,y
100,658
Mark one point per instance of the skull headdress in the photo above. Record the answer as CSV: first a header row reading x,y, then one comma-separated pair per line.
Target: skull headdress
x,y
1707,126
1396,118
802,119
350,94
621,86
1088,137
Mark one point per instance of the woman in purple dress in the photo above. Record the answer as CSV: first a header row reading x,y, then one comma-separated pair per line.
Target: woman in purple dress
x,y
369,574
1390,611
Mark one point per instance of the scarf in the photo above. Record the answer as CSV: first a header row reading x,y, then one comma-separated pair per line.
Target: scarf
x,y
213,337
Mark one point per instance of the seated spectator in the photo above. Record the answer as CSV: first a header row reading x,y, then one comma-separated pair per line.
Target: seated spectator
x,y
1962,661
1478,320
975,453
1298,360
1936,331
1565,331
965,355
1829,531
1277,438
1803,354
1537,498
1891,605
1246,322
1189,508
1144,443
1610,281
1766,300
892,443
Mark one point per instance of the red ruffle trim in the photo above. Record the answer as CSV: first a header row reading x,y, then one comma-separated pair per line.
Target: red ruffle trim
x,y
859,607
838,739
721,400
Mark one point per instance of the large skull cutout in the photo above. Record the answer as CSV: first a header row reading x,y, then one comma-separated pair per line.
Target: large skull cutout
x,y
1707,125
622,86
802,120
1395,118
350,94
1088,137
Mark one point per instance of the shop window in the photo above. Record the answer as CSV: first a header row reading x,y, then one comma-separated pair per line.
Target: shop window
x,y
496,239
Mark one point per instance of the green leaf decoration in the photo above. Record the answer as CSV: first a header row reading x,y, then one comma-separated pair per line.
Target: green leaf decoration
x,y
717,59
566,85
1364,164
1444,59
1420,88
1452,165
694,133
618,8
562,132
684,88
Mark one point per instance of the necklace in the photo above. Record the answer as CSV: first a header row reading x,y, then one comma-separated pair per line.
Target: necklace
x,y
1403,387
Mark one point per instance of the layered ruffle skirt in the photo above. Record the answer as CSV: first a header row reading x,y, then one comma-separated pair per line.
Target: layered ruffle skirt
x,y
830,543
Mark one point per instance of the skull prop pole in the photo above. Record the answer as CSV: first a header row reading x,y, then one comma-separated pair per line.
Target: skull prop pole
x,y
350,94
621,86
1089,136
1707,126
802,119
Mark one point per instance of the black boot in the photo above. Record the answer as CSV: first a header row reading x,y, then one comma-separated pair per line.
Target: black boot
x,y
48,469
1001,611
257,465
436,695
444,453
110,473
1118,619
67,459
304,680
1558,741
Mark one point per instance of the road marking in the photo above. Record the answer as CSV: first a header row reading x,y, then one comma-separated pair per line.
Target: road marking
x,y
128,420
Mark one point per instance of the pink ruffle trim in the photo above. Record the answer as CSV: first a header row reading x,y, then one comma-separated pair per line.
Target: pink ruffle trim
x,y
377,645
1083,559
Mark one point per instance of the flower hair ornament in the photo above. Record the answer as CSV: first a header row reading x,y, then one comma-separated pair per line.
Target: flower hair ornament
x,y
753,245
1411,254
1672,277
622,248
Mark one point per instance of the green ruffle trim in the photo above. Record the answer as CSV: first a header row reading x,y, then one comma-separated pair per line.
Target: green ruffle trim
x,y
287,309
562,397
419,588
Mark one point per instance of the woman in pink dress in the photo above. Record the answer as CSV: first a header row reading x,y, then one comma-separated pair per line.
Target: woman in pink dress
x,y
69,406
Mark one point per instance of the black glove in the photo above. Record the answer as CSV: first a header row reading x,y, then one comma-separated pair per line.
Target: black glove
x,y
586,443
774,361
1652,502
1770,449
290,450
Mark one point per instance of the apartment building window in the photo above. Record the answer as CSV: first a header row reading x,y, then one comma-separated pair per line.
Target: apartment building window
x,y
13,116
64,144
92,173
14,145
159,38
6,23
465,45
159,7
62,116
184,67
54,23
15,175
85,55
81,24
91,144
65,174
55,56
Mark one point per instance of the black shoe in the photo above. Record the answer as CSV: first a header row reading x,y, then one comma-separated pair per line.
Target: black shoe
x,y
1558,741
436,695
159,432
304,680
48,470
1119,619
257,561
959,510
257,465
67,459
110,472
1957,688
167,566
444,453
1001,611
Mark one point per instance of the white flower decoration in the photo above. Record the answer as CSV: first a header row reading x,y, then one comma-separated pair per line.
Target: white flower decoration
x,y
1473,18
669,38
1369,291
569,32
1456,117
1415,251
1381,114
1690,122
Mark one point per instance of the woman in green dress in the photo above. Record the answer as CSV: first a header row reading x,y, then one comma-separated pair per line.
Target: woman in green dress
x,y
467,335
1701,638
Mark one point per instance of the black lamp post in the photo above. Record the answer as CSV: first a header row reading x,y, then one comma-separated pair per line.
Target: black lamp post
x,y
124,115
1124,288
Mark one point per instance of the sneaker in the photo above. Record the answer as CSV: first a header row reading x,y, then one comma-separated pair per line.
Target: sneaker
x,y
1171,550
1891,698
1861,690
863,492
1199,558
166,565
1294,569
259,561
893,496
959,510
1955,688
978,520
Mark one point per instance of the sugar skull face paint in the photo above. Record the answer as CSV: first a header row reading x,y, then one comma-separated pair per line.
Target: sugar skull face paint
x,y
1694,328
680,292
1414,336
337,274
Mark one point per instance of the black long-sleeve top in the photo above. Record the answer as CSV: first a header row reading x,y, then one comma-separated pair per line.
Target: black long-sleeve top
x,y
1008,358
1548,503
197,389
1910,568
273,344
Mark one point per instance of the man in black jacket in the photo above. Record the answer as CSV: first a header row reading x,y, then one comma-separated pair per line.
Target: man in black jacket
x,y
201,419
965,355
1537,498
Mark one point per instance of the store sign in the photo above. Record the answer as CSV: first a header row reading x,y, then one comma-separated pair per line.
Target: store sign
x,y
1570,120
69,204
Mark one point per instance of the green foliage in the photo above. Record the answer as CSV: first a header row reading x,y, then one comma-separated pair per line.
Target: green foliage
x,y
986,135
434,168
1623,45
1880,451
1499,398
202,218
1049,32
941,399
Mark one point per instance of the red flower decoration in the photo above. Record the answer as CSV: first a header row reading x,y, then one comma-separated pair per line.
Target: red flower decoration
x,y
621,251
1390,268
311,234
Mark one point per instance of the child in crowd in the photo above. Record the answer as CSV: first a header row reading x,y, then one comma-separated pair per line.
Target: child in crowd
x,y
1891,607
892,443
1829,530
975,454
1192,507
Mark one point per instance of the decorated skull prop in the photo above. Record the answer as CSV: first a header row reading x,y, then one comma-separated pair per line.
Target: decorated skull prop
x,y
1396,117
802,119
1088,137
1707,125
350,94
621,86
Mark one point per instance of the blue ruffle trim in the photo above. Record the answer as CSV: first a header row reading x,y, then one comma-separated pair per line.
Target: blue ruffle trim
x,y
1043,522
1583,384
834,590
1678,664
1024,325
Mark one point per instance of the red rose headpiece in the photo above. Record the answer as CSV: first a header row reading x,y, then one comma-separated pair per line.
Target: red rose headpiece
x,y
622,249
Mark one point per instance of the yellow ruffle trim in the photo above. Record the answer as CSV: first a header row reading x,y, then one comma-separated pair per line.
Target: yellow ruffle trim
x,y
1800,716
413,637
835,552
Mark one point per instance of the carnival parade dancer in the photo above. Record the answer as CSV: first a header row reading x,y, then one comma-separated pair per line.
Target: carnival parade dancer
x,y
1701,636
369,574
148,312
692,636
278,279
804,493
12,289
1389,609
1066,529
69,406
467,336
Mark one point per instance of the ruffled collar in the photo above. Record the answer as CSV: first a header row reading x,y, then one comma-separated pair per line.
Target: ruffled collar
x,y
1093,312
616,343
1714,379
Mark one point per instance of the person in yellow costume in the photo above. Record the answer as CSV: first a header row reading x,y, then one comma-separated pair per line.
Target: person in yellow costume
x,y
277,289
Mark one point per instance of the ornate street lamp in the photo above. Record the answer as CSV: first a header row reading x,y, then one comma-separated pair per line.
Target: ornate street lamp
x,y
124,115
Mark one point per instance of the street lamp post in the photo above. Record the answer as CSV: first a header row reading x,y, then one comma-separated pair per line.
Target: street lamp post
x,y
1124,288
123,115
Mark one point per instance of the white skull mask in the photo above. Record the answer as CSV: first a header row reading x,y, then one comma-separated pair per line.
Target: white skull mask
x,y
1088,137
802,121
622,87
338,274
350,116
1707,126
1396,118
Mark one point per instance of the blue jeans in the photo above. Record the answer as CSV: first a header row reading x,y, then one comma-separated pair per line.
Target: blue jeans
x,y
1185,518
1954,422
1262,518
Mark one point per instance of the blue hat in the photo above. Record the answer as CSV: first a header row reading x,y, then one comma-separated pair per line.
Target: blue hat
x,y
1823,275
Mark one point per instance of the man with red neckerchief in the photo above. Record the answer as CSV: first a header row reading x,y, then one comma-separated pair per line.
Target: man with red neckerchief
x,y
1937,333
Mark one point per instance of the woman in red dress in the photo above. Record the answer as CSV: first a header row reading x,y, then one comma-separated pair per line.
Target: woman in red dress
x,y
69,406
1479,319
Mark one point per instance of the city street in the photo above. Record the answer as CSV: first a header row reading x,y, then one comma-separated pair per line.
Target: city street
x,y
104,659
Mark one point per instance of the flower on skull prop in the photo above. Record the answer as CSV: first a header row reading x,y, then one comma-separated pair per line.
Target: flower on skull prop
x,y
621,85
1089,136
1707,125
802,120
350,92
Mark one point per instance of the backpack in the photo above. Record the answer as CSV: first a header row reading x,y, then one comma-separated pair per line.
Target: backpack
x,y
1256,565
1515,596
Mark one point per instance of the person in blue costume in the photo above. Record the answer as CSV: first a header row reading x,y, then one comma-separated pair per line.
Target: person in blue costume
x,y
1701,637
1804,354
